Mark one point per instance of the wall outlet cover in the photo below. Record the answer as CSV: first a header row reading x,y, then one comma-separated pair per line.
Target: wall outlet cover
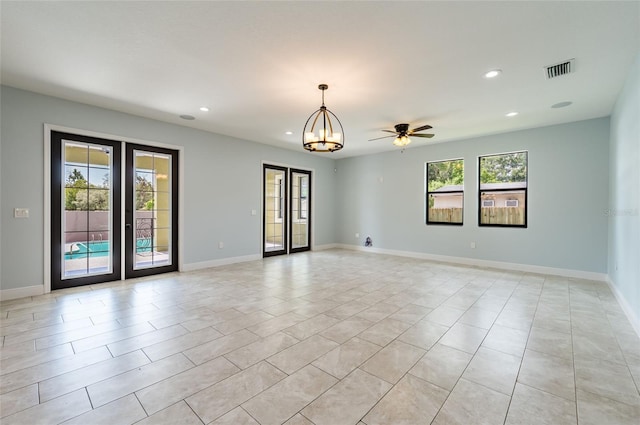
x,y
21,212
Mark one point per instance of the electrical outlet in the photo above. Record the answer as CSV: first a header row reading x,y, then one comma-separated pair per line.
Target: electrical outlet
x,y
253,212
357,235
473,245
220,245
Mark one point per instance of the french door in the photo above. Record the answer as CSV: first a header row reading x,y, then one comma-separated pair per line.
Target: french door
x,y
299,210
87,219
286,210
151,218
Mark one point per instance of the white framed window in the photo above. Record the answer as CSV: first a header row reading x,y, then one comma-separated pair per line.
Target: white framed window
x,y
511,203
488,203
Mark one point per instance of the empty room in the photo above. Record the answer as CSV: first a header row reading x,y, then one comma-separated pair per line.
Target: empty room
x,y
320,212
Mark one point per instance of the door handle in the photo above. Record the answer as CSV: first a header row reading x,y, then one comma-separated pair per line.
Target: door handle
x,y
127,226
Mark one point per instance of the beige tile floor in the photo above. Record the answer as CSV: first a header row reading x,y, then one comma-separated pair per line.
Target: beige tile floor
x,y
331,337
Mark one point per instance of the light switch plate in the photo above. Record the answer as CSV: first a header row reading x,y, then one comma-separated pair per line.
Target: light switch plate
x,y
21,212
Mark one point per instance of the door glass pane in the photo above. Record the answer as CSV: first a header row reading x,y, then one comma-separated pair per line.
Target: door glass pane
x,y
300,210
86,209
274,224
153,210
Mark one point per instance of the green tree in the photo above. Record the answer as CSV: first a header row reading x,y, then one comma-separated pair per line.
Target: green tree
x,y
511,167
445,173
76,179
144,193
75,183
94,199
83,196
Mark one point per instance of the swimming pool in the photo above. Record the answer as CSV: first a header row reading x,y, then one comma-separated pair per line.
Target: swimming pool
x,y
78,250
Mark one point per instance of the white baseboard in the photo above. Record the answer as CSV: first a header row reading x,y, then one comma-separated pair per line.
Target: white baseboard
x,y
233,260
626,308
325,247
578,274
221,262
27,291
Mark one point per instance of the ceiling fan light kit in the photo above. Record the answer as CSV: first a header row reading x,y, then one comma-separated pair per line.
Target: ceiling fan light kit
x,y
402,141
402,133
327,138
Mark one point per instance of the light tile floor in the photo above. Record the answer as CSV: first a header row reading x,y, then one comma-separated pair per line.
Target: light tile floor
x,y
331,337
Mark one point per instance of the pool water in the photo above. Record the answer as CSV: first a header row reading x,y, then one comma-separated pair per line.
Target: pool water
x,y
100,249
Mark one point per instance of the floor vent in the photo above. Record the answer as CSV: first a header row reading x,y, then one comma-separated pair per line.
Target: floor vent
x,y
559,69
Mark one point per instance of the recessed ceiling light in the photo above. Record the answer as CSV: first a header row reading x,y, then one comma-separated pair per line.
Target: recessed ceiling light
x,y
511,114
561,105
188,117
493,73
204,109
288,133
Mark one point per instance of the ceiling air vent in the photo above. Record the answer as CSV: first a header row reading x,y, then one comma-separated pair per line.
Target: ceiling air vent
x,y
560,69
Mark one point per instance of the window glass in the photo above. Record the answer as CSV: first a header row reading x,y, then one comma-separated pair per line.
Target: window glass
x,y
445,192
503,190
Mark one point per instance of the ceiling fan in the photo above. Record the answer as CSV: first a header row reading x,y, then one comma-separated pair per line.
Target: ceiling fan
x,y
402,134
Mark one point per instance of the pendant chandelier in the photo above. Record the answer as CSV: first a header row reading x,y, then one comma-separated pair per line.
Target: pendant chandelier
x,y
321,136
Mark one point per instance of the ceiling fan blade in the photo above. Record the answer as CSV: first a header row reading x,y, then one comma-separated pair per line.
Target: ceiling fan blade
x,y
424,127
383,137
428,136
391,131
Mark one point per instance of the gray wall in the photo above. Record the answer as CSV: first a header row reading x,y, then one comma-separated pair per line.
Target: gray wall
x,y
222,182
624,193
382,196
379,195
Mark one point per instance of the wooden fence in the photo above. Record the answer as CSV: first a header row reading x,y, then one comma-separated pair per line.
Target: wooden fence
x,y
502,215
492,215
445,215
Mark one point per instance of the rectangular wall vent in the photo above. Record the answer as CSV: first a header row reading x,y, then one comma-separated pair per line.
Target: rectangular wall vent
x,y
559,69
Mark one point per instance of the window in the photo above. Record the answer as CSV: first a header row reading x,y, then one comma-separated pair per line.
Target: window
x,y
503,190
303,204
278,198
445,196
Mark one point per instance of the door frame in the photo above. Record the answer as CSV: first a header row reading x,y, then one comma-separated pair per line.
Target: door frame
x,y
130,213
57,165
48,128
312,202
284,210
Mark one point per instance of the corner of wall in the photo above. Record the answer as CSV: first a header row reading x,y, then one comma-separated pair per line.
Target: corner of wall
x,y
623,211
633,317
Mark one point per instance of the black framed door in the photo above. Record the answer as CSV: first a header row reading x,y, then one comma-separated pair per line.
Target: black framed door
x,y
85,210
151,210
87,218
300,210
274,210
286,210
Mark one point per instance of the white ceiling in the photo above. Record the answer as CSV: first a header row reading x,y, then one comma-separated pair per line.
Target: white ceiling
x,y
257,65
